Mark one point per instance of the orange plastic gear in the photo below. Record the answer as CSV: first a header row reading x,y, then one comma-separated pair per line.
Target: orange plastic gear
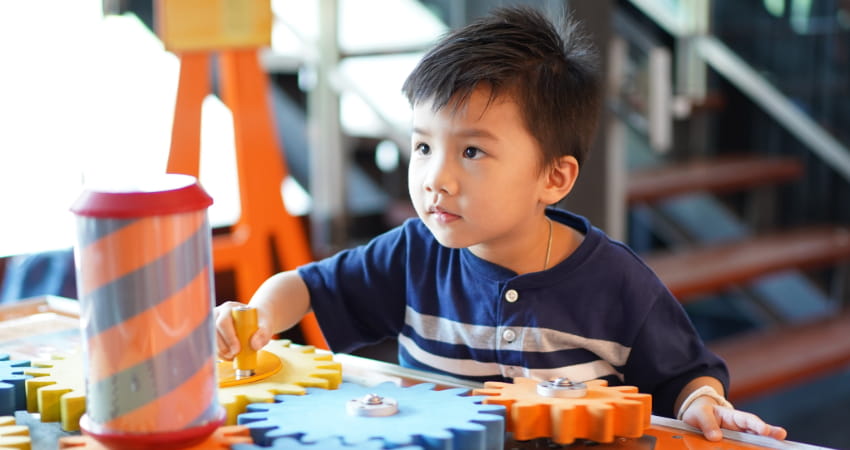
x,y
602,414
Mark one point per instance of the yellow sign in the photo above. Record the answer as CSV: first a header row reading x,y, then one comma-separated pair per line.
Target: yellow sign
x,y
207,25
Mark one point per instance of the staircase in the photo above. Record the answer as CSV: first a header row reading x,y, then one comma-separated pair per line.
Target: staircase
x,y
740,233
759,361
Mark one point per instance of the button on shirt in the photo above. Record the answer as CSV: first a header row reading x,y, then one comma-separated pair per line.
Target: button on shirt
x,y
509,335
511,295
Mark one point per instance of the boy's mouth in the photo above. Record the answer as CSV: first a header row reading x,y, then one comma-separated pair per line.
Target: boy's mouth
x,y
441,215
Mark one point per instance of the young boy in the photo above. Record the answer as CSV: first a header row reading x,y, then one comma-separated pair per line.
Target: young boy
x,y
489,283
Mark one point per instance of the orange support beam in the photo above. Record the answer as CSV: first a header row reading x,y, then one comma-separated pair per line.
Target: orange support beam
x,y
265,229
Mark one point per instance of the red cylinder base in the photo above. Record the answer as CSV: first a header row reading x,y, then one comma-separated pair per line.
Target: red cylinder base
x,y
168,440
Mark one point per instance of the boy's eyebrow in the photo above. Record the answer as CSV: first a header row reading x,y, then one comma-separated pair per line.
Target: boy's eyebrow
x,y
468,132
476,132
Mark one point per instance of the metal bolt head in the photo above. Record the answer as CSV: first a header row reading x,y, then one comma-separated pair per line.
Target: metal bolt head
x,y
372,405
561,387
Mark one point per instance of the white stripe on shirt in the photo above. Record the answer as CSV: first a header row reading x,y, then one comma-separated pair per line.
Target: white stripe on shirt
x,y
529,339
460,367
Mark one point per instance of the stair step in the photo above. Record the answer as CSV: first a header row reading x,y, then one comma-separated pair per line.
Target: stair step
x,y
713,268
780,357
718,175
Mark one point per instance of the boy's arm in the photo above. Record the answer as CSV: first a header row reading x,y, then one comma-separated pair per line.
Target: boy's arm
x,y
281,301
702,404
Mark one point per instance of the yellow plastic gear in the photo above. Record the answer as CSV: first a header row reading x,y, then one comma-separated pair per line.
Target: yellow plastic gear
x,y
57,390
302,368
601,414
13,436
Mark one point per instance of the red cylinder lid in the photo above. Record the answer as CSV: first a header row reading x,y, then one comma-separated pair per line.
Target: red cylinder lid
x,y
155,196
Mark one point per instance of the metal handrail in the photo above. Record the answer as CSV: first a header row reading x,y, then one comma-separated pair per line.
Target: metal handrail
x,y
742,75
725,62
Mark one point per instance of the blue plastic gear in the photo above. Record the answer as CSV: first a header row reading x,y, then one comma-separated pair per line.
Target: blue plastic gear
x,y
436,420
324,444
13,392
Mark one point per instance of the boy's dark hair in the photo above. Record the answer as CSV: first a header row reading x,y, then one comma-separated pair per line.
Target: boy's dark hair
x,y
552,76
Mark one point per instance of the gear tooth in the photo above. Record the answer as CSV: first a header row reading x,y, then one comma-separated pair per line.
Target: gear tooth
x,y
73,404
597,384
530,420
628,418
565,424
469,426
257,410
38,371
495,384
504,402
625,389
276,433
492,410
12,384
455,391
646,411
259,430
601,421
485,392
322,357
421,386
48,402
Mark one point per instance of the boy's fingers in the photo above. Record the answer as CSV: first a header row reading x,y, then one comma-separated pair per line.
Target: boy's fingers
x,y
776,432
223,350
701,414
228,344
260,339
747,422
711,430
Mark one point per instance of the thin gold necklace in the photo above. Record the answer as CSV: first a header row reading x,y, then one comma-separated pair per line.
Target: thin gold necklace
x,y
548,245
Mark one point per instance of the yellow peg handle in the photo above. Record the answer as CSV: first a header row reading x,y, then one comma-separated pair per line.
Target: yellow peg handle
x,y
245,322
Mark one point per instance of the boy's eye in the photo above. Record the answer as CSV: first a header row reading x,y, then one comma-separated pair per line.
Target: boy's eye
x,y
472,152
423,149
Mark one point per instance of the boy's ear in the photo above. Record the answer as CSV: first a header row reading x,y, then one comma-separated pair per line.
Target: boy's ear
x,y
560,179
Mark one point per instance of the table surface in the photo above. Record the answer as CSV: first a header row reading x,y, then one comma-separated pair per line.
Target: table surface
x,y
38,327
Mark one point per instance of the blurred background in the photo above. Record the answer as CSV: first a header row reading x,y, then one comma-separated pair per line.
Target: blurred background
x,y
722,156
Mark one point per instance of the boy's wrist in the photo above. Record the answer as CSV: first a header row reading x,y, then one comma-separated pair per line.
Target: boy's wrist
x,y
703,391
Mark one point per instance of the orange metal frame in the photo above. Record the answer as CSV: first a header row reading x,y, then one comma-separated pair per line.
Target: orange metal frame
x,y
265,229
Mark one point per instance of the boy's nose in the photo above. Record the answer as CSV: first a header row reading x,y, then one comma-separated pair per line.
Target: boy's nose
x,y
439,178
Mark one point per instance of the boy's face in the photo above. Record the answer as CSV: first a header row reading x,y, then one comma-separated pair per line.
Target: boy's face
x,y
474,175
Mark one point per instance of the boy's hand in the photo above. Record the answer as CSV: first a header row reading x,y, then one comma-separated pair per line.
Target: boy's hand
x,y
707,415
227,343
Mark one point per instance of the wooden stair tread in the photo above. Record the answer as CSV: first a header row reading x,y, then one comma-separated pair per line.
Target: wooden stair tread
x,y
767,360
690,272
719,175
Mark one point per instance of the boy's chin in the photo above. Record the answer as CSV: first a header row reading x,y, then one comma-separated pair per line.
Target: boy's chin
x,y
447,240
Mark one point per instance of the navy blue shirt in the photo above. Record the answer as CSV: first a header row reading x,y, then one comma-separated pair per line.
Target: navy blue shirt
x,y
600,313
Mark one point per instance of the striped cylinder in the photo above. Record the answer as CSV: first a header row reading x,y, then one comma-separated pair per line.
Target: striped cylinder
x,y
144,278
